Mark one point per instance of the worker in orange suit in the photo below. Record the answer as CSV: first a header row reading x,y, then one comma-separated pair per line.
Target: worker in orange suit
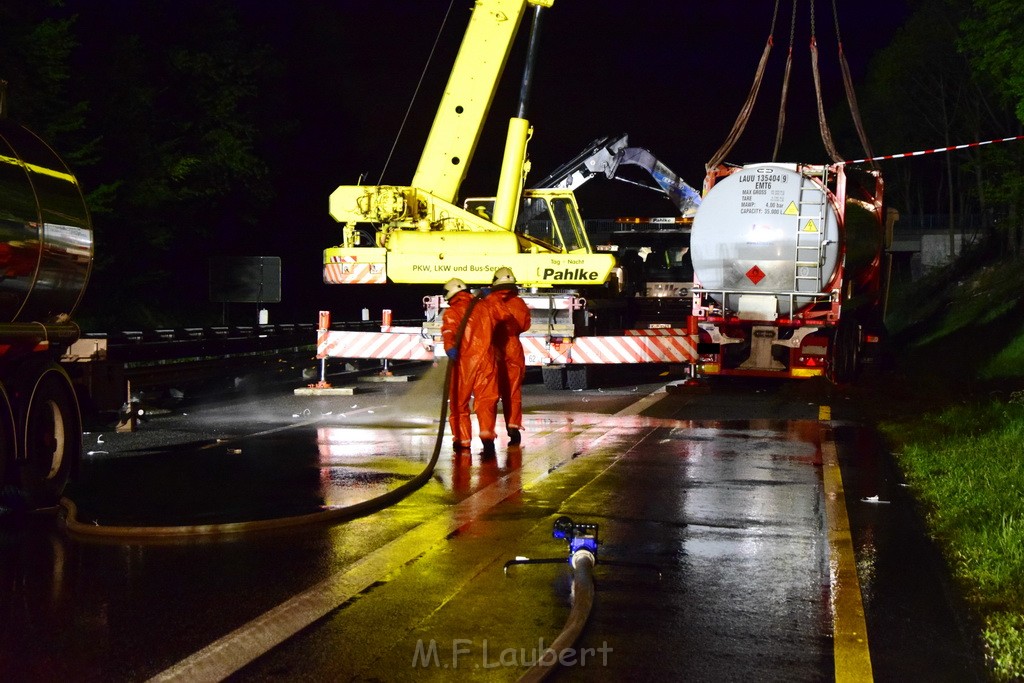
x,y
514,319
467,330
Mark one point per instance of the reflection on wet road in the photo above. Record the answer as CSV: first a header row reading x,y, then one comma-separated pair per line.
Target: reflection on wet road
x,y
731,509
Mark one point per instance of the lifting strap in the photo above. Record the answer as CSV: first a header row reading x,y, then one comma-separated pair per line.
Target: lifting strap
x,y
748,105
851,96
826,135
785,86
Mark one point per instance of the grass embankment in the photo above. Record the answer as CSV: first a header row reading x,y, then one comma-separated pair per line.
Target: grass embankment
x,y
959,438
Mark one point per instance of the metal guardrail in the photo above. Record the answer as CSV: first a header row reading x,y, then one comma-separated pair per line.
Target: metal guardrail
x,y
182,341
103,364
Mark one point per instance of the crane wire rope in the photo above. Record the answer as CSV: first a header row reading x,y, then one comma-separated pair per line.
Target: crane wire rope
x,y
785,85
748,105
69,511
826,135
415,93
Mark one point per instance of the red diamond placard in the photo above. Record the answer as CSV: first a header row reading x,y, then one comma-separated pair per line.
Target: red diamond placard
x,y
755,275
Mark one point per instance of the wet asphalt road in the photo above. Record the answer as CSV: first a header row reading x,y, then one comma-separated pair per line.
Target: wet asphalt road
x,y
721,490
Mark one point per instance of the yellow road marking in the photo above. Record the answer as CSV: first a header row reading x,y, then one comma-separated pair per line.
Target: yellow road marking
x,y
850,634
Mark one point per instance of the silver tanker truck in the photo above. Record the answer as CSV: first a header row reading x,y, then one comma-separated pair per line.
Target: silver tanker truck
x,y
791,266
46,254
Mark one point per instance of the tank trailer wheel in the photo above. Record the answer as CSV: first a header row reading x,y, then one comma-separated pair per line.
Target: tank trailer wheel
x,y
845,353
52,433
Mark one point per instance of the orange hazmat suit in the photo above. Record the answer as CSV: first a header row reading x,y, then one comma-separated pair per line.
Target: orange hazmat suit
x,y
511,360
474,373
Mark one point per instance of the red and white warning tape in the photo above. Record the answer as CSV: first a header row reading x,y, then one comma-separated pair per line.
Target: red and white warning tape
x,y
933,151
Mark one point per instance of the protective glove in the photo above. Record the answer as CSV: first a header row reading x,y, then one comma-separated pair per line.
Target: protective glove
x,y
452,353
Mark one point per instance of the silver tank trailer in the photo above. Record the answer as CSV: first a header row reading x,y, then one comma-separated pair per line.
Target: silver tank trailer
x,y
46,239
745,236
46,252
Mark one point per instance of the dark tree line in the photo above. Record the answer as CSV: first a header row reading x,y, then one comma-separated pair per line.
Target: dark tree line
x,y
951,76
183,123
162,114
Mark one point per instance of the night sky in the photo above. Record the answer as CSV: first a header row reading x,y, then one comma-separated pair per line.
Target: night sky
x,y
672,75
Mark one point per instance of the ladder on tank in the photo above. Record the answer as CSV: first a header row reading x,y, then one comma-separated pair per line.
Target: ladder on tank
x,y
810,231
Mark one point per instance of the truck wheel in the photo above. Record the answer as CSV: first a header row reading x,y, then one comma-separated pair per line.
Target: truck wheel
x,y
554,377
578,377
52,437
845,353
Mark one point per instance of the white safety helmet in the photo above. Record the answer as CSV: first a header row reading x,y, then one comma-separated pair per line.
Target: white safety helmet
x,y
453,287
503,276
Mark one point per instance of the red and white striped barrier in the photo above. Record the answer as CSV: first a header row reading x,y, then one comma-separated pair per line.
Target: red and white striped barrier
x,y
638,346
634,349
407,343
539,352
401,343
345,270
922,152
658,345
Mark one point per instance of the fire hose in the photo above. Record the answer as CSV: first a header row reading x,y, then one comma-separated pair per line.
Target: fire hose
x,y
583,543
71,523
68,511
582,540
582,562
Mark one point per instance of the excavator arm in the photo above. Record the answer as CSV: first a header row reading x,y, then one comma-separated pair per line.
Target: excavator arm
x,y
606,156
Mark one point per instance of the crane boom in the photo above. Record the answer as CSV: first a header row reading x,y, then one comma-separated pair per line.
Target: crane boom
x,y
422,236
467,97
623,302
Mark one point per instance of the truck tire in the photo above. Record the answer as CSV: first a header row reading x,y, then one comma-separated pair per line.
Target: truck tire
x,y
845,352
553,376
578,377
52,436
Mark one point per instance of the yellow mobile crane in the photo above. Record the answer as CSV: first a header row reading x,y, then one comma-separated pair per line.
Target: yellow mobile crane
x,y
417,234
421,235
